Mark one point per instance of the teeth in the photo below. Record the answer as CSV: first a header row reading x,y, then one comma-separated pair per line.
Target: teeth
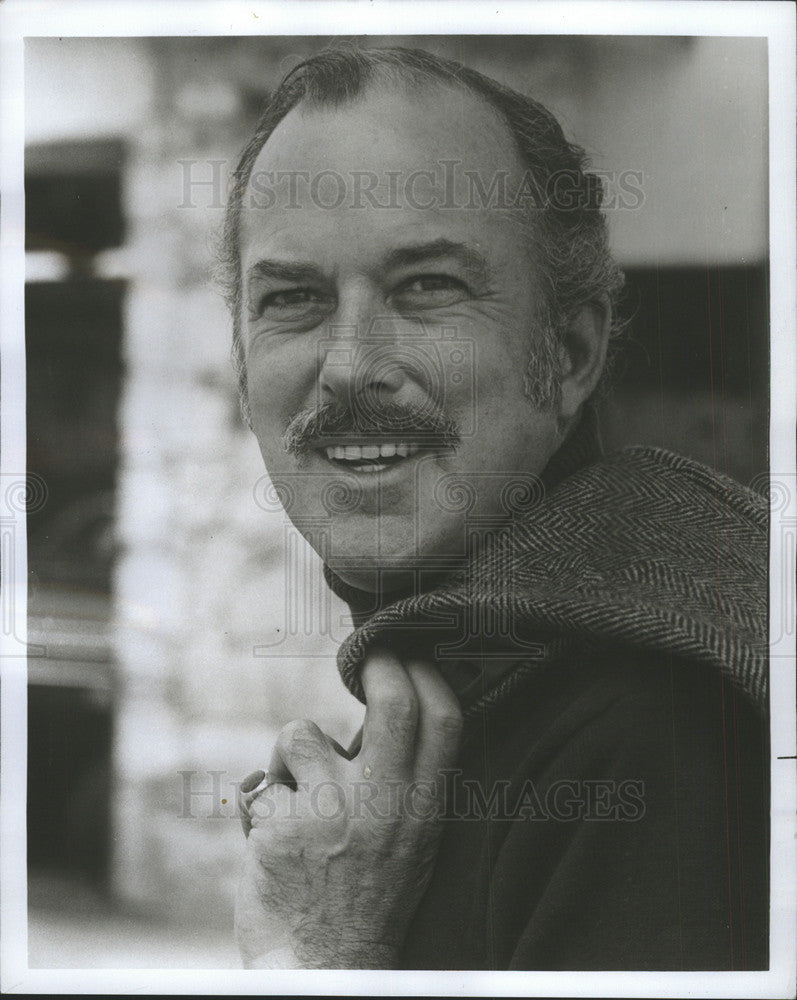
x,y
356,452
371,468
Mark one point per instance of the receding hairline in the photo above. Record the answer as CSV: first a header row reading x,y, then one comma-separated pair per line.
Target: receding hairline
x,y
384,78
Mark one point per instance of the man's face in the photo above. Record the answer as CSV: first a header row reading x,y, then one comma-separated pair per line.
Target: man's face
x,y
415,323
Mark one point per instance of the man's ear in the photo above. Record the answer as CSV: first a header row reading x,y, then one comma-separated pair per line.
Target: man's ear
x,y
584,344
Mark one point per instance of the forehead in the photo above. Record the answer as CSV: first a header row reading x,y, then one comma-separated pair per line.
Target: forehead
x,y
408,126
393,164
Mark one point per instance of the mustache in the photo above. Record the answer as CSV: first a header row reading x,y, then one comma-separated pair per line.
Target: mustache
x,y
308,428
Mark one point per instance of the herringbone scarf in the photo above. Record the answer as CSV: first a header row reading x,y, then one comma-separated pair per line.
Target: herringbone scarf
x,y
642,549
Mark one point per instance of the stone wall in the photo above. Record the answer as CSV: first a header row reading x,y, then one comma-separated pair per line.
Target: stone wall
x,y
208,668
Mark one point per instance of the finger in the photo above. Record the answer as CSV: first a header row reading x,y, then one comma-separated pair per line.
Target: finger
x,y
251,781
302,753
248,790
391,718
243,814
439,721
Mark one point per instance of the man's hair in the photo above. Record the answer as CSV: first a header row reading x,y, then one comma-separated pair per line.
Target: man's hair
x,y
570,239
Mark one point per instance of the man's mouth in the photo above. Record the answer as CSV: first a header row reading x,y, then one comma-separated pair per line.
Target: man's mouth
x,y
371,457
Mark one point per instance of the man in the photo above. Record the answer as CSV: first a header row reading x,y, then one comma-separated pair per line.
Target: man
x,y
562,761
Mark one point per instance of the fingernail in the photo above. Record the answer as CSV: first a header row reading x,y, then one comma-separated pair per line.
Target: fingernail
x,y
251,781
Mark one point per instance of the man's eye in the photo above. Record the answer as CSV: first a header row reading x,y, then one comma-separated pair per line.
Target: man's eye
x,y
289,302
430,290
289,297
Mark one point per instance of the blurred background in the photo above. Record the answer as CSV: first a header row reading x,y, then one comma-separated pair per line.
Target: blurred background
x,y
177,619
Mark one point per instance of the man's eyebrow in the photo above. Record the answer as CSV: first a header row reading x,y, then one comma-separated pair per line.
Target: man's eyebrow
x,y
405,256
420,253
282,270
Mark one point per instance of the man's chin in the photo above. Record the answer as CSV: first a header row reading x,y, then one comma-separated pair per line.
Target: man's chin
x,y
391,556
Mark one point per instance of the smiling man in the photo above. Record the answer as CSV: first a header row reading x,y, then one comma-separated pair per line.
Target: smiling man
x,y
562,655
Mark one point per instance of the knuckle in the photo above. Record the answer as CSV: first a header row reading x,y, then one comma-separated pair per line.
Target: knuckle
x,y
401,711
401,729
301,727
298,733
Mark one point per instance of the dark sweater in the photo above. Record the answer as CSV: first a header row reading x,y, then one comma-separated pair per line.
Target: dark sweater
x,y
641,838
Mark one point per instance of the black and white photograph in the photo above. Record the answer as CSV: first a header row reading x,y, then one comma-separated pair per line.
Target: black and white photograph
x,y
398,498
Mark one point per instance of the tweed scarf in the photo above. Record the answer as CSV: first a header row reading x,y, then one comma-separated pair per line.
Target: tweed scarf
x,y
642,550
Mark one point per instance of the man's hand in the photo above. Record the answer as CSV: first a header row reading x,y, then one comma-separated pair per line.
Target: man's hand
x,y
341,850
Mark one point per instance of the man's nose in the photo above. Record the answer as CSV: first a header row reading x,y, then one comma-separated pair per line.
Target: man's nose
x,y
351,370
361,358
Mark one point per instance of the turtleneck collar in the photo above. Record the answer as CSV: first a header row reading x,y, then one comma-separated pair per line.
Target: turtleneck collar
x,y
581,448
